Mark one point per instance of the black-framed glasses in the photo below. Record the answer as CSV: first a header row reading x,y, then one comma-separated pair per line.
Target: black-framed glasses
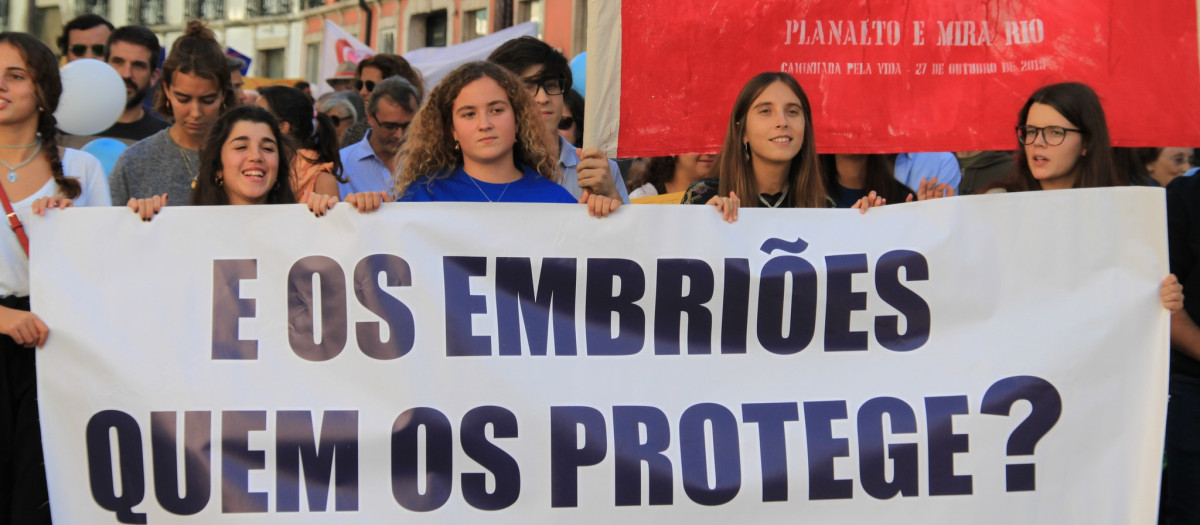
x,y
79,49
552,86
565,123
358,85
1054,135
392,127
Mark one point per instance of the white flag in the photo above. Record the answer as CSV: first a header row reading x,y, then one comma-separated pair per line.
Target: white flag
x,y
339,47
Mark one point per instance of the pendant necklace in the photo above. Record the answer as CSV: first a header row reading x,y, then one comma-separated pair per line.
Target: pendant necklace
x,y
12,170
186,163
485,195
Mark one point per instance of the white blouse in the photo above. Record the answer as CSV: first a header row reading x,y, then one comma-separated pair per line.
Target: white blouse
x,y
14,265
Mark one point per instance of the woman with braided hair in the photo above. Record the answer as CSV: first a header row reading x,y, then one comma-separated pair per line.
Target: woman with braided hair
x,y
37,174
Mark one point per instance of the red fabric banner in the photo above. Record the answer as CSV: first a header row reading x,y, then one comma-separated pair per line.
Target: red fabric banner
x,y
922,75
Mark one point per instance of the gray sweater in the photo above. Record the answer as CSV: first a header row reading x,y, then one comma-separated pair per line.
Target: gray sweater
x,y
154,166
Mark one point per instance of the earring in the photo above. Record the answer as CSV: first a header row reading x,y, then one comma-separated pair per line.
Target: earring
x,y
220,181
746,150
41,109
456,145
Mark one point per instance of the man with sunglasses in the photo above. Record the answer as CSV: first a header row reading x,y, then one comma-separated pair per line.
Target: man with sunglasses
x,y
85,36
369,163
547,76
134,52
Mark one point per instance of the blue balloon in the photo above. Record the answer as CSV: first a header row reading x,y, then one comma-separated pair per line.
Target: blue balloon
x,y
579,73
106,150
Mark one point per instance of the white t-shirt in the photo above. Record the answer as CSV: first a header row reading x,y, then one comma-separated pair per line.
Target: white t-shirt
x,y
14,265
645,190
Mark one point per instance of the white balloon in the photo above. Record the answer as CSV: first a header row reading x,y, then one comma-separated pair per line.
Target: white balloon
x,y
93,97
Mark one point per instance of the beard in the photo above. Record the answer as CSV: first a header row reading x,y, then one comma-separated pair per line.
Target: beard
x,y
139,94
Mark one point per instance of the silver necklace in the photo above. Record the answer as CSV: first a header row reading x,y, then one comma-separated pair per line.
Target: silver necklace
x,y
485,195
12,170
769,204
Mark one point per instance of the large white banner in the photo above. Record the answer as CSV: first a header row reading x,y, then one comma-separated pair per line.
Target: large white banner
x,y
437,62
985,360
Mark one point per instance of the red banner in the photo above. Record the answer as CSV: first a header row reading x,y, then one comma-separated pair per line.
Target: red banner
x,y
922,75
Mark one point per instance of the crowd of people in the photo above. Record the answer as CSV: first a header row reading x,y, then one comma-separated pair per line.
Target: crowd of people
x,y
508,129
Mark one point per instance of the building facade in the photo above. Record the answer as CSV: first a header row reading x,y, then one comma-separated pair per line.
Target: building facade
x,y
283,37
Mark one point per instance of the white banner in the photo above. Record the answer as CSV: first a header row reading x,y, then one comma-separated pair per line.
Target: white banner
x,y
985,360
437,62
337,47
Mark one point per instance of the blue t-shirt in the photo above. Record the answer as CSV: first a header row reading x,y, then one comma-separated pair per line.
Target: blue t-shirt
x,y
460,187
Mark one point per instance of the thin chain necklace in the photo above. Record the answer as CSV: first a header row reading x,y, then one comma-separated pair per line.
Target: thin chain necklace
x,y
187,163
485,195
12,170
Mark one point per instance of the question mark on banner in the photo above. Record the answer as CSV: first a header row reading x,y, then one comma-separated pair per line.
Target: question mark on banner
x,y
1047,407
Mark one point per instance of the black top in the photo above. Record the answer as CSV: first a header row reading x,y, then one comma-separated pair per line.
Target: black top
x,y
149,124
704,189
1183,236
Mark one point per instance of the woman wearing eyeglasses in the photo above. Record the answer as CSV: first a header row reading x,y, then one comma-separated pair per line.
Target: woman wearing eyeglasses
x,y
341,112
1063,139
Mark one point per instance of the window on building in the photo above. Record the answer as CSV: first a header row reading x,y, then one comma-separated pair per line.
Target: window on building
x,y
47,25
532,11
387,41
435,29
146,12
312,63
475,24
310,4
579,27
93,7
271,63
4,15
268,7
427,30
206,9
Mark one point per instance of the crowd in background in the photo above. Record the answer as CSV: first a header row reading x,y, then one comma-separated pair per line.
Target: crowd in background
x,y
508,129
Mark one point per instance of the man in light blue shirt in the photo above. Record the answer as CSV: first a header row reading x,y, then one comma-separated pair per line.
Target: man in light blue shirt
x,y
369,163
912,167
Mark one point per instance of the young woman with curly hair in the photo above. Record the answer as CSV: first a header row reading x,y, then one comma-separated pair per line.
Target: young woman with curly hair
x,y
479,139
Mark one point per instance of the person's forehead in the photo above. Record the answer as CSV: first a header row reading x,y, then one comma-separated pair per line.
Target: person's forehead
x,y
129,51
92,35
388,110
533,71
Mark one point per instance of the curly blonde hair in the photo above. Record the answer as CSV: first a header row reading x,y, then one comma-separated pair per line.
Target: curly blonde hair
x,y
428,149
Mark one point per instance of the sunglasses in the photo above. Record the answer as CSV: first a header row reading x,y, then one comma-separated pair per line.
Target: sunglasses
x,y
80,49
358,85
566,123
337,119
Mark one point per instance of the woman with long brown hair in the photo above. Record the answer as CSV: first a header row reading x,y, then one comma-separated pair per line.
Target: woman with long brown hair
x,y
195,90
37,175
769,156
